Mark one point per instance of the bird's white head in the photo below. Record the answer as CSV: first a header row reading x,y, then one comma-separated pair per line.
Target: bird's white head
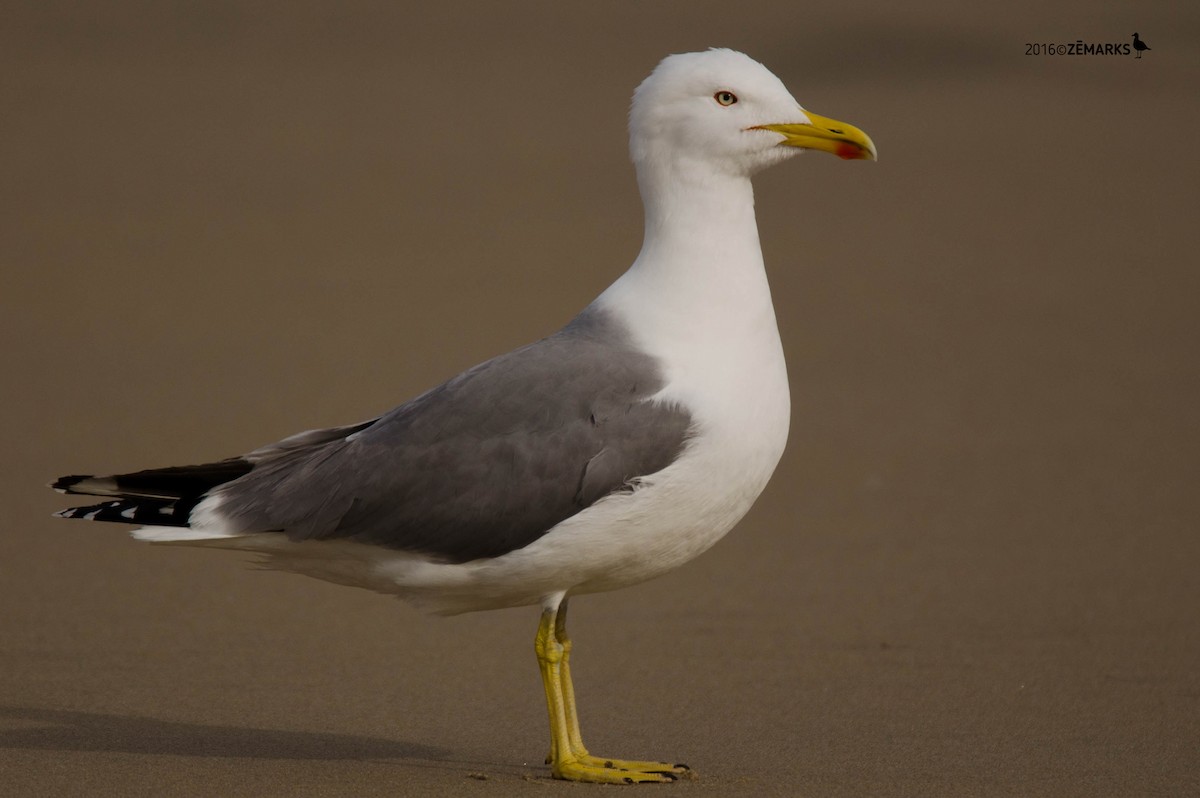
x,y
722,111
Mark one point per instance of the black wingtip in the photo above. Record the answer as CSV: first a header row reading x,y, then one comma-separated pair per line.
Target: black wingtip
x,y
92,513
175,482
152,512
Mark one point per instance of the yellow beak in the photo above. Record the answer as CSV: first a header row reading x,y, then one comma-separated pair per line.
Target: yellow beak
x,y
844,141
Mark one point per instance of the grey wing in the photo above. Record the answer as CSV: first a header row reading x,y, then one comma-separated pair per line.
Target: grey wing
x,y
480,466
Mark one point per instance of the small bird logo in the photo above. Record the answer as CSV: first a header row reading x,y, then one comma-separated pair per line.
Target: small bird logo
x,y
1139,45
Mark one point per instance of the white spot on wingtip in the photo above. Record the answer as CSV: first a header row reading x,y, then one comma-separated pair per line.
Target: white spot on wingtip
x,y
128,513
90,516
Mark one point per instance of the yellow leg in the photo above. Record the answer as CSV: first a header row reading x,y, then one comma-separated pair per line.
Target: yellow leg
x,y
568,757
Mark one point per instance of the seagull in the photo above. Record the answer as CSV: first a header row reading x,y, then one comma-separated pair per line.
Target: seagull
x,y
1139,45
612,451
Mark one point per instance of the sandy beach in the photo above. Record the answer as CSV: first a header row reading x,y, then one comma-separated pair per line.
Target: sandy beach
x,y
975,572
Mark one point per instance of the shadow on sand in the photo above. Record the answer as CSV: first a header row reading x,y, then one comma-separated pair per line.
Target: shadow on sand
x,y
61,730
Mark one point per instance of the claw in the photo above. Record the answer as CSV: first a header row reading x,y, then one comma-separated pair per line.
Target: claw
x,y
574,770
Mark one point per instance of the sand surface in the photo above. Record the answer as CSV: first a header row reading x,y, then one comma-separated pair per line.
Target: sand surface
x,y
976,572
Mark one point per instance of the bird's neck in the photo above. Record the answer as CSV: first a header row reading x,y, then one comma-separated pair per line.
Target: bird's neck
x,y
701,252
699,276
698,223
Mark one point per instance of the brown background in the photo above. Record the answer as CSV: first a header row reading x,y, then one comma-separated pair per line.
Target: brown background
x,y
975,572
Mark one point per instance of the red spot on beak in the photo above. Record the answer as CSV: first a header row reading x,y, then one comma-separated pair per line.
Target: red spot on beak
x,y
848,152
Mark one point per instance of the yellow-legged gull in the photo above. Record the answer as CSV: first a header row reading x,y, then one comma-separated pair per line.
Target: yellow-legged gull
x,y
610,452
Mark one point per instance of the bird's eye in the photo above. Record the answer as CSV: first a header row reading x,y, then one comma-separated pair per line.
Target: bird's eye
x,y
725,98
